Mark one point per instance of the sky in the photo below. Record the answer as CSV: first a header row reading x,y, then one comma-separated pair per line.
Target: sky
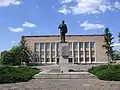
x,y
42,17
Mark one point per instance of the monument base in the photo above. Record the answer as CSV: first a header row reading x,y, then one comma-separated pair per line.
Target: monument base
x,y
63,59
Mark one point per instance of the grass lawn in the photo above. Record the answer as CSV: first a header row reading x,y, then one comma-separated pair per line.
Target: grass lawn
x,y
9,74
106,72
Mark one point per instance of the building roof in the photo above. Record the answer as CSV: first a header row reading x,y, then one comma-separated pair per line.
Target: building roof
x,y
66,35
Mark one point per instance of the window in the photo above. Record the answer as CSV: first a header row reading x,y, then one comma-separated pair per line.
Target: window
x,y
47,59
93,52
36,46
87,59
76,53
53,46
42,59
92,44
86,44
87,53
48,53
47,45
53,53
57,46
81,59
81,52
75,45
53,59
93,59
42,53
41,45
58,53
76,60
81,44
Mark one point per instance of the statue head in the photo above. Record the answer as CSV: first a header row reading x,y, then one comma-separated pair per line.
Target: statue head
x,y
63,22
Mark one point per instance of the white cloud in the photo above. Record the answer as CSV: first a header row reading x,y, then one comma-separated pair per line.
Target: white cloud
x,y
16,29
6,3
91,6
116,44
64,10
65,1
28,24
91,26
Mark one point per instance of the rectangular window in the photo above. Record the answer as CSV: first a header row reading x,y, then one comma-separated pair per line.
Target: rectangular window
x,y
81,59
92,44
53,46
81,52
81,44
86,52
42,59
76,60
36,46
47,59
53,59
93,52
53,53
87,59
57,46
76,53
93,59
86,44
41,45
75,45
47,45
48,53
42,53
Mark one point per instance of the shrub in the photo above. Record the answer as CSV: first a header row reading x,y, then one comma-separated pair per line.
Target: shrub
x,y
107,72
10,74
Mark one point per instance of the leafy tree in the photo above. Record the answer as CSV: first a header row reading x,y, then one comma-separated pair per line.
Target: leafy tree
x,y
119,36
108,44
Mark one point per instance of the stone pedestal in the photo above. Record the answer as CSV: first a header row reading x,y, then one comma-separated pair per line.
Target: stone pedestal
x,y
64,54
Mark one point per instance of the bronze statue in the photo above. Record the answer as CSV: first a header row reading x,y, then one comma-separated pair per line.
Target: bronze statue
x,y
63,31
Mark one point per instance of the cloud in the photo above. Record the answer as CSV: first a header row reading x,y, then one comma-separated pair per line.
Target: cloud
x,y
64,10
90,26
16,29
65,1
90,6
116,44
28,24
6,3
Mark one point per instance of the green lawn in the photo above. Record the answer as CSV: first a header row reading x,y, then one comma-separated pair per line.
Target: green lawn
x,y
106,72
9,74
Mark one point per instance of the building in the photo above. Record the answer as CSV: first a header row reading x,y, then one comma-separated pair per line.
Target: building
x,y
82,48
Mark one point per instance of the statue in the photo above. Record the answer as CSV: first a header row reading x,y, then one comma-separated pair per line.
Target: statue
x,y
63,31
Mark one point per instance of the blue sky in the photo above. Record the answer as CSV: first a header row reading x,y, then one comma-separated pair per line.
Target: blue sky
x,y
42,17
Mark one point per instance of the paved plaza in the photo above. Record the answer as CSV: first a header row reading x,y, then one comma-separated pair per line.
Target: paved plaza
x,y
62,84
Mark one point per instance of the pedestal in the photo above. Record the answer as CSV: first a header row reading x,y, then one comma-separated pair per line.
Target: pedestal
x,y
64,54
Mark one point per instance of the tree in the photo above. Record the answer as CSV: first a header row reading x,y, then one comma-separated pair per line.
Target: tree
x,y
119,36
108,44
26,54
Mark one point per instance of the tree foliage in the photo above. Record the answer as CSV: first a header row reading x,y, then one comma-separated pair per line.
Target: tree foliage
x,y
108,44
119,36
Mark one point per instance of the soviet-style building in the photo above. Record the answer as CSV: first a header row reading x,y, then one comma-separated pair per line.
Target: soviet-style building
x,y
82,48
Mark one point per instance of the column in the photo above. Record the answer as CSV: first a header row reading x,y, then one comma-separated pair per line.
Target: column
x,y
83,52
89,53
56,52
78,52
45,52
39,53
72,52
50,53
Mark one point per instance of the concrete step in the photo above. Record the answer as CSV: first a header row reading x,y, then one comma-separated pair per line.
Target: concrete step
x,y
65,76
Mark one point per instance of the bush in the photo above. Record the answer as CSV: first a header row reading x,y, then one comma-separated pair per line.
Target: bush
x,y
107,72
10,74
